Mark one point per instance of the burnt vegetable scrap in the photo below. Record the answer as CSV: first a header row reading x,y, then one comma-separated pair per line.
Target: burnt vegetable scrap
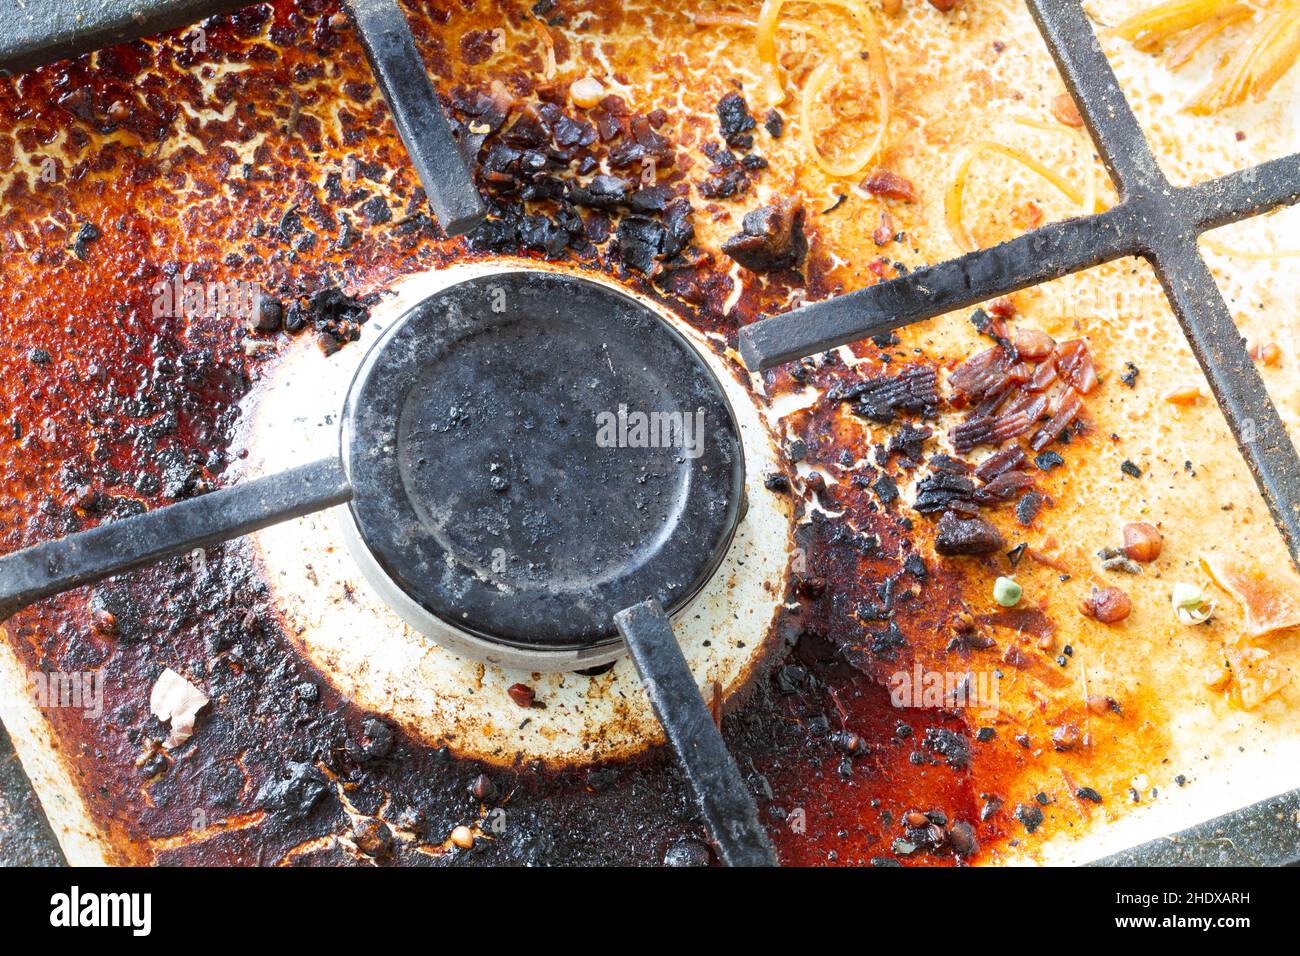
x,y
771,238
543,171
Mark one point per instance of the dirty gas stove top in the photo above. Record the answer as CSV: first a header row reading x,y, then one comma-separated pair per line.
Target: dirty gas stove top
x,y
340,728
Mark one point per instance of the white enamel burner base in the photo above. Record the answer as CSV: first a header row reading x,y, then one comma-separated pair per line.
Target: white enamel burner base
x,y
441,683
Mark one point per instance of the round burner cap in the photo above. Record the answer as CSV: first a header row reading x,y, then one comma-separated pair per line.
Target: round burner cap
x,y
531,453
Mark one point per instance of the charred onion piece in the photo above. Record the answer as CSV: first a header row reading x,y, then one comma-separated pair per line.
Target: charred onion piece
x,y
957,536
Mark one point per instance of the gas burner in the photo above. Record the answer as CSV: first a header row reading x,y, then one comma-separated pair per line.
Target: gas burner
x,y
530,453
540,471
414,666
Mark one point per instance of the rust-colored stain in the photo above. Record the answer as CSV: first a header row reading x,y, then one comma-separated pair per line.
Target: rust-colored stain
x,y
268,158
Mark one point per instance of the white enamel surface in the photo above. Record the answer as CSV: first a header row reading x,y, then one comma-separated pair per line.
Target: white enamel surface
x,y
384,665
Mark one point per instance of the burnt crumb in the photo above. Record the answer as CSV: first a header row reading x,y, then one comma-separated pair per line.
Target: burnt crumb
x,y
772,239
886,489
373,742
270,315
601,778
347,235
1130,469
650,199
1089,794
603,192
1016,553
862,542
680,227
86,234
913,390
1048,460
985,734
483,789
985,324
966,536
850,743
908,444
156,764
1028,507
811,587
962,839
1029,815
39,357
640,242
376,211
914,565
1130,374
725,183
818,725
735,121
544,235
293,798
290,223
941,491
774,123
335,316
777,482
952,747
1114,559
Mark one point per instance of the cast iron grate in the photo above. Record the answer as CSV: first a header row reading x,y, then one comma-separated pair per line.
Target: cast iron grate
x,y
1153,219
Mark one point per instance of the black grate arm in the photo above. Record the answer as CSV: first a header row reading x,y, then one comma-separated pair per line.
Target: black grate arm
x,y
1105,110
1036,257
1242,195
89,556
1234,379
724,797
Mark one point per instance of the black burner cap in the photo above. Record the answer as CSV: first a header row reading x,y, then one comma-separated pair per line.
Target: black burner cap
x,y
531,453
